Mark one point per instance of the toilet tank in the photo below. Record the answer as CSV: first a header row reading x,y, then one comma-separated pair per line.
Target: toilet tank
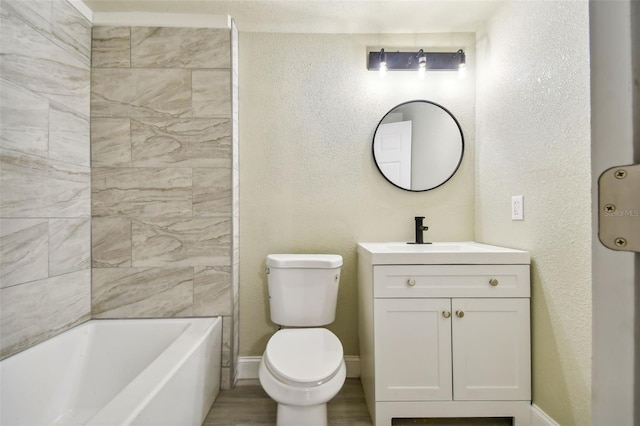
x,y
303,288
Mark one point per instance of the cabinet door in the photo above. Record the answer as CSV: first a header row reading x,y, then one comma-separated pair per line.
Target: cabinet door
x,y
413,349
491,349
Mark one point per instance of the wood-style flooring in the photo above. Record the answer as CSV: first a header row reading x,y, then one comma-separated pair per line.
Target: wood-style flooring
x,y
249,405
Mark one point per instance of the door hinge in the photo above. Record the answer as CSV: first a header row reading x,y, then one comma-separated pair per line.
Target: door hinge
x,y
619,208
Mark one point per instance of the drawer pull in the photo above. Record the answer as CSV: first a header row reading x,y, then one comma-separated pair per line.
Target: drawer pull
x,y
459,314
411,282
493,282
446,314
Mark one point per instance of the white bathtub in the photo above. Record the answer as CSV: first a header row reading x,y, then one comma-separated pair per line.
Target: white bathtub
x,y
116,372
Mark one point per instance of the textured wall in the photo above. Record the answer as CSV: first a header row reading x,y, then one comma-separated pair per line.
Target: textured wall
x,y
162,165
533,139
309,108
44,177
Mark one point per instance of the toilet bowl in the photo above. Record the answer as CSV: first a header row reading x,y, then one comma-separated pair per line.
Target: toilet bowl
x,y
302,369
303,365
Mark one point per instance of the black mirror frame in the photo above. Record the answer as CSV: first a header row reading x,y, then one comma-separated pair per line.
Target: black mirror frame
x,y
461,140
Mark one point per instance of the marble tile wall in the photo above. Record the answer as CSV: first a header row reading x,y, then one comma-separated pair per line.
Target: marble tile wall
x,y
45,179
164,176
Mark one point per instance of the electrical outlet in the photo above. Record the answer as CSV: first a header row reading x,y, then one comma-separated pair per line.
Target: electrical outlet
x,y
517,207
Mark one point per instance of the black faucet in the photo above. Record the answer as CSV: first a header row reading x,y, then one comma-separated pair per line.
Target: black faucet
x,y
419,229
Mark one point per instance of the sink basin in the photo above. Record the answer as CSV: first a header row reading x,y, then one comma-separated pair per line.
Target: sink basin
x,y
439,253
434,247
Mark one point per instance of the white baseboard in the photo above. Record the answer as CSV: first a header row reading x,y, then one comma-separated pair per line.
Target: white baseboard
x,y
248,367
353,366
540,418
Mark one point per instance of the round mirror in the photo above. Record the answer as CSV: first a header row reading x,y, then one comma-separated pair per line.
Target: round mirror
x,y
418,145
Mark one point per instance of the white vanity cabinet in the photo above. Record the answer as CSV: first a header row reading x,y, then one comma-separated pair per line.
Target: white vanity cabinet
x,y
444,340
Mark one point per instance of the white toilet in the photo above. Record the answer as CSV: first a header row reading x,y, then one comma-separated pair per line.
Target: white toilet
x,y
303,366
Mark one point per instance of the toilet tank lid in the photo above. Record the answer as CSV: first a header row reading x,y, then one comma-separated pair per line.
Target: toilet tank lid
x,y
304,260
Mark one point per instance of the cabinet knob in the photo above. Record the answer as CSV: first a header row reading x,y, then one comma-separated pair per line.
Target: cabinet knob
x,y
446,314
459,314
493,282
411,282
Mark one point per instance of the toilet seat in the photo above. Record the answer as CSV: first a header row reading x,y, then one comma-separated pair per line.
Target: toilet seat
x,y
304,356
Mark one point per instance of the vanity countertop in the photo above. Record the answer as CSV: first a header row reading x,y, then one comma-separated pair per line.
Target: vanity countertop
x,y
441,253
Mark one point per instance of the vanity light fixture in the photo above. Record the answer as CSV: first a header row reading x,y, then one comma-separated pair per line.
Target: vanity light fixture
x,y
420,61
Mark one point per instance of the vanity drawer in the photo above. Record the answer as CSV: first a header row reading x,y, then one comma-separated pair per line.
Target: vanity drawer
x,y
408,281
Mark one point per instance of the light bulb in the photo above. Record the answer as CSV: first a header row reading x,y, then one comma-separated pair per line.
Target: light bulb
x,y
422,65
383,69
421,71
383,63
462,67
462,71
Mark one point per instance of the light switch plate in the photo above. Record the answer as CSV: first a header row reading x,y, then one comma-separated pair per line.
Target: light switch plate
x,y
517,207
